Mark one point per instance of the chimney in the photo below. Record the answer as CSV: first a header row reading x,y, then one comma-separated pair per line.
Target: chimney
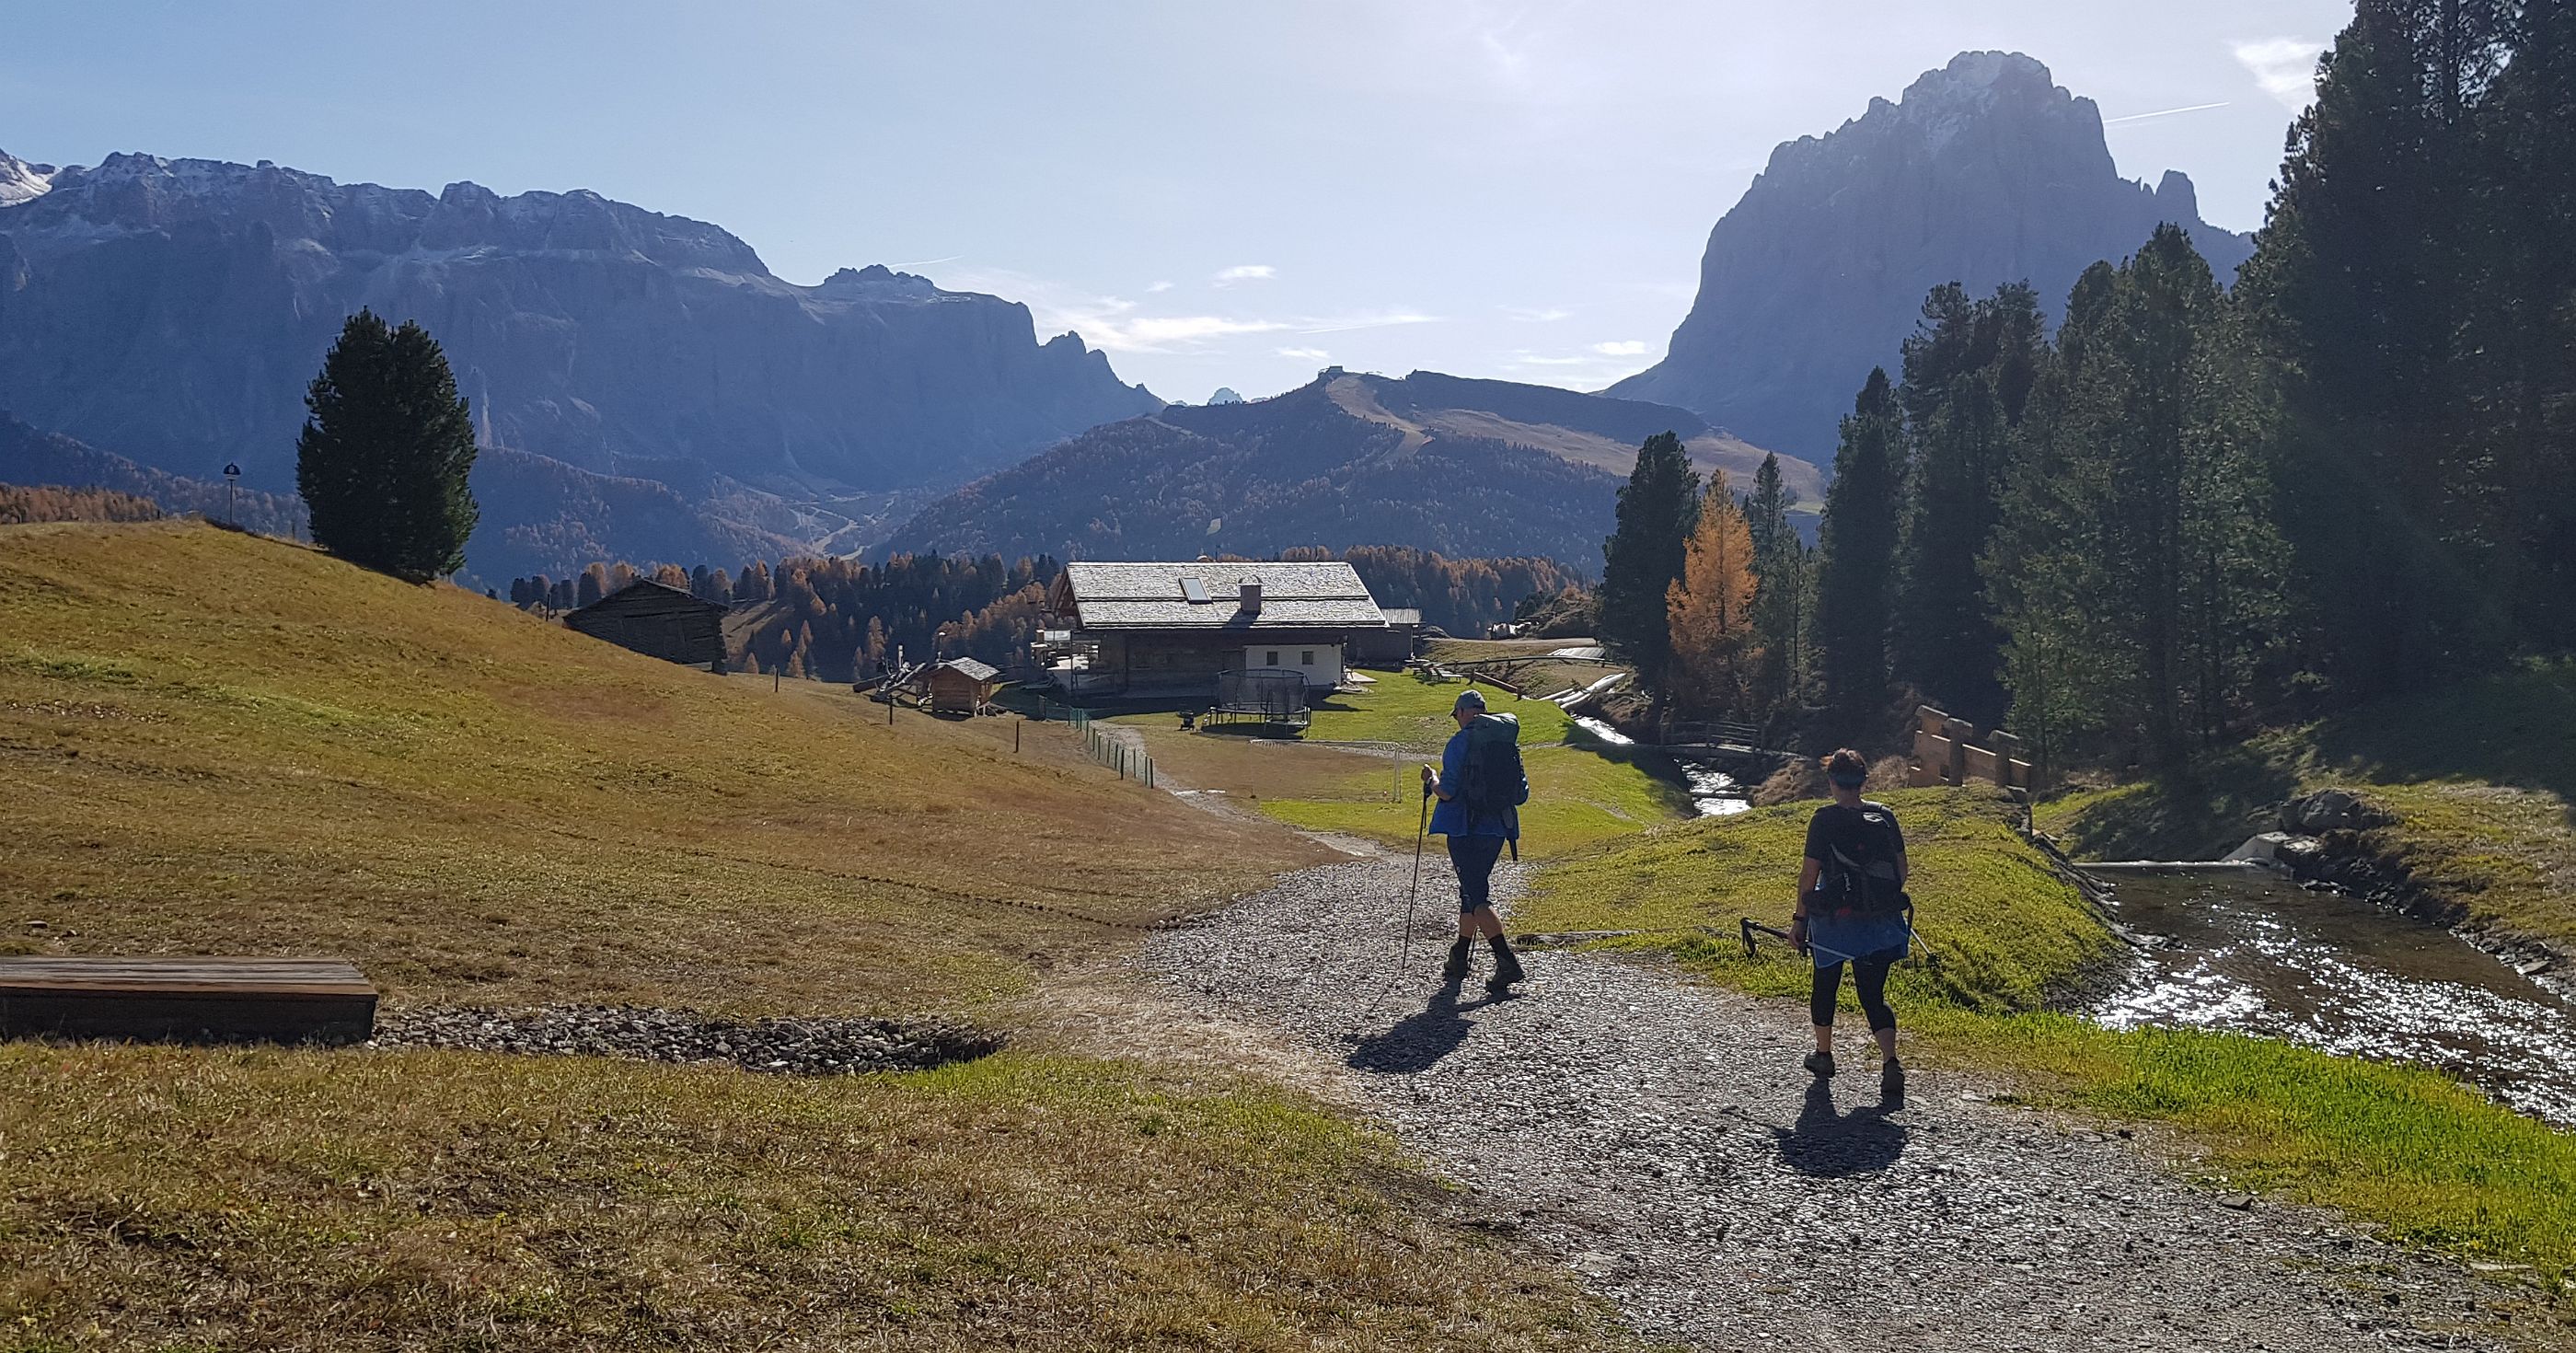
x,y
1251,596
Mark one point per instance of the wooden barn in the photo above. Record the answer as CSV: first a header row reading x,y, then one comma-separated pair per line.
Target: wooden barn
x,y
1389,647
962,686
656,620
1169,631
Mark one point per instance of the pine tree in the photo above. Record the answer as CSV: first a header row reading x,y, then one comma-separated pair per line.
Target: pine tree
x,y
1780,565
2364,279
385,455
1855,570
1657,509
2137,567
1968,374
1709,609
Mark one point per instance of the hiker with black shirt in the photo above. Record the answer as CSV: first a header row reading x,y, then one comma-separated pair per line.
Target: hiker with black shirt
x,y
1480,786
1852,910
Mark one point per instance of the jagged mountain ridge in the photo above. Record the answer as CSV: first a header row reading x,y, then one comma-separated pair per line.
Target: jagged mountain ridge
x,y
1462,467
1985,172
176,309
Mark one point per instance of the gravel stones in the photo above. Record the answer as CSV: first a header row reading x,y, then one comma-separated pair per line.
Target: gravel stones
x,y
1660,1139
805,1047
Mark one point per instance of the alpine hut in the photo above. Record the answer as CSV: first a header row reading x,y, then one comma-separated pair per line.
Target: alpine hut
x,y
1159,631
657,620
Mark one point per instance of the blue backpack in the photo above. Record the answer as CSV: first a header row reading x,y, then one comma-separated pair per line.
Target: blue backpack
x,y
1491,780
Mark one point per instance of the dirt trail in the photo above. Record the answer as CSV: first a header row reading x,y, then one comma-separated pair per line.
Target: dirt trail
x,y
1661,1137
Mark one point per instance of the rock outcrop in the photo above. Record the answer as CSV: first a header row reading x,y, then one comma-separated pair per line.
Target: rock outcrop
x,y
174,310
1985,172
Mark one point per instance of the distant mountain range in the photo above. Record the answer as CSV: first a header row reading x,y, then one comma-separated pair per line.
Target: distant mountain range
x,y
536,511
172,311
1985,172
1463,467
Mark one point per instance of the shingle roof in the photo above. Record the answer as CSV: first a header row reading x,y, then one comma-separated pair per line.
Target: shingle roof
x,y
973,670
1150,596
1402,615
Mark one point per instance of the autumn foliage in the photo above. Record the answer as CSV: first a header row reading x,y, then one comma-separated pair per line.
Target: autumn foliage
x,y
19,506
1710,609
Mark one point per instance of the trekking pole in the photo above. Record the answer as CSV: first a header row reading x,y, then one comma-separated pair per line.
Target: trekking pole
x,y
1413,895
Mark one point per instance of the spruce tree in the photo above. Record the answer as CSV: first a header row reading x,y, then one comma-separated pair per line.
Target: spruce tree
x,y
1780,565
2364,279
384,458
1968,375
1855,573
1658,507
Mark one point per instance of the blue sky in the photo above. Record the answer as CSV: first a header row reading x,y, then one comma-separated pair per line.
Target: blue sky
x,y
1216,193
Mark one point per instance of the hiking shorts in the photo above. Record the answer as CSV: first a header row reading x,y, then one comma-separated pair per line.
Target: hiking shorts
x,y
1473,857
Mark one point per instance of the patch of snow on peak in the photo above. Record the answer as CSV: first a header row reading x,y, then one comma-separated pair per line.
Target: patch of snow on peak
x,y
21,181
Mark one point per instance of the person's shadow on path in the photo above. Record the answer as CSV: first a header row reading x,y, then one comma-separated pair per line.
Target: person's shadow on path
x,y
1837,1145
1419,1040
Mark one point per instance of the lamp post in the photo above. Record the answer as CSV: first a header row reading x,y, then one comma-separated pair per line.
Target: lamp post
x,y
232,480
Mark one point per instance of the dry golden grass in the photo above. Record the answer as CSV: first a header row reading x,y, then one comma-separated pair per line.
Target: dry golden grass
x,y
170,1198
214,743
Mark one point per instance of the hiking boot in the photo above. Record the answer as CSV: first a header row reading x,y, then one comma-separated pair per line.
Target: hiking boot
x,y
1507,965
1891,1084
1455,970
1821,1064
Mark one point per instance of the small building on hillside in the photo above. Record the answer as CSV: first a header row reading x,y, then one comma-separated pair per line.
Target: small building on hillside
x,y
1169,631
1389,647
656,620
962,686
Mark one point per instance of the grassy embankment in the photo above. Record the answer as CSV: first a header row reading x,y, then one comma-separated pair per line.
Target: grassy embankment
x,y
2481,778
1578,796
2431,1160
213,743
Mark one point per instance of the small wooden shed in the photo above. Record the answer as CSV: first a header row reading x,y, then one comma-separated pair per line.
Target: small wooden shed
x,y
961,686
657,620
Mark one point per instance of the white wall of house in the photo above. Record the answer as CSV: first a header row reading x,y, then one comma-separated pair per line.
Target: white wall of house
x,y
1321,662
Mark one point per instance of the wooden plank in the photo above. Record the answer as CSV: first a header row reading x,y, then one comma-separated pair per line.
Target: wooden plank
x,y
186,999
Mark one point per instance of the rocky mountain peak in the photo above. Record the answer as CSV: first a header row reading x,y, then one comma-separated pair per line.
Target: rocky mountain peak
x,y
1986,171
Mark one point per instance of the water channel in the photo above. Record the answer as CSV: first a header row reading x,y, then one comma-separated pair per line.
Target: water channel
x,y
1713,792
2251,951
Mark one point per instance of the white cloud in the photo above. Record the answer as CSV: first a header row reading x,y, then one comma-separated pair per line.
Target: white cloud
x,y
2285,68
1307,354
1157,287
1164,330
1628,347
2161,112
1530,315
1382,319
1246,272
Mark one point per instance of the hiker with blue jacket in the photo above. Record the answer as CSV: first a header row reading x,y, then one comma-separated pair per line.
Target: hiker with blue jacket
x,y
1853,910
1480,786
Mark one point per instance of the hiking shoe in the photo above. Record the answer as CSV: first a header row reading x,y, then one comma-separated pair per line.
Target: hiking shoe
x,y
1891,1084
1507,965
1455,970
1820,1064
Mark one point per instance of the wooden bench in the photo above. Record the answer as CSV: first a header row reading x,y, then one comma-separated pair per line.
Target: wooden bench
x,y
213,1000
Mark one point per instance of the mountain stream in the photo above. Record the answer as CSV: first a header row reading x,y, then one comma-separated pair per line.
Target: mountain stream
x,y
2251,951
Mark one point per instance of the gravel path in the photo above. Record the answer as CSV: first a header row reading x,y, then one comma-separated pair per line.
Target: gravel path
x,y
1661,1137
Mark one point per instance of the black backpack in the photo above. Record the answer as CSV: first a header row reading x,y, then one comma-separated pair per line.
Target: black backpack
x,y
1491,779
1859,875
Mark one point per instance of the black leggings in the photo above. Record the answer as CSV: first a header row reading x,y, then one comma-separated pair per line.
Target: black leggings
x,y
1869,977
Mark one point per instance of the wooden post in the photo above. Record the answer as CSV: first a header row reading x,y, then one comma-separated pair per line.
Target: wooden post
x,y
1016,726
